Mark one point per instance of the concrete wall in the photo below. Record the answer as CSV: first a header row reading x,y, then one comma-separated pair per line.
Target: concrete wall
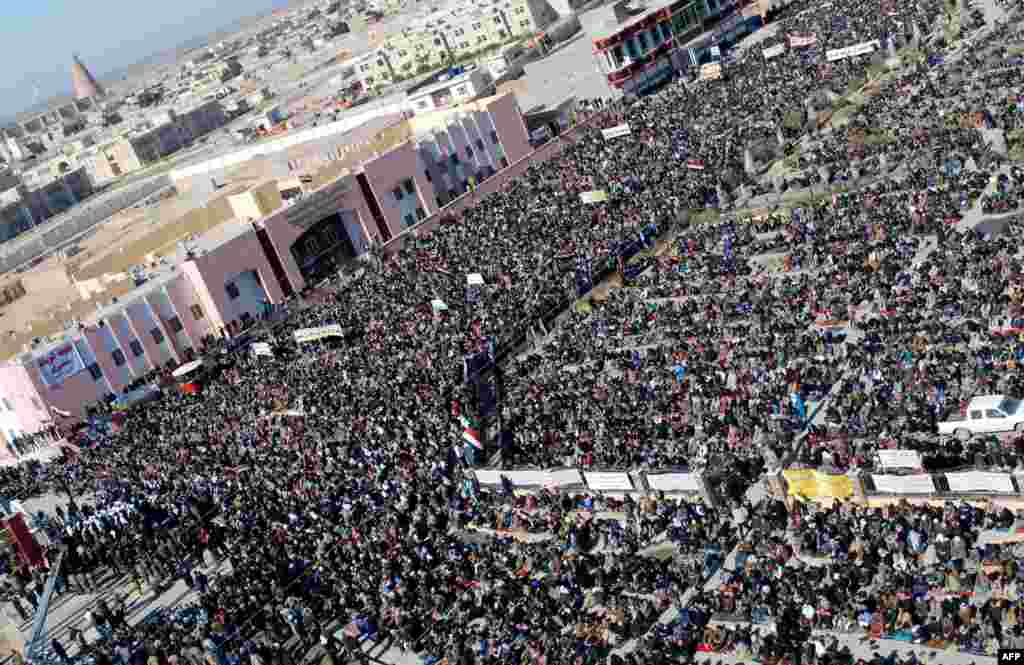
x,y
214,270
61,230
388,172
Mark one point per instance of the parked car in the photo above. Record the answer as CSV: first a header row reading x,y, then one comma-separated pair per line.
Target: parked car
x,y
985,414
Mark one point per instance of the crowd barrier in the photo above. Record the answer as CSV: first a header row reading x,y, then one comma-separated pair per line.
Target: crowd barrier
x,y
573,479
973,483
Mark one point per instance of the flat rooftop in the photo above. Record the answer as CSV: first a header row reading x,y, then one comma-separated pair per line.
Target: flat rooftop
x,y
601,23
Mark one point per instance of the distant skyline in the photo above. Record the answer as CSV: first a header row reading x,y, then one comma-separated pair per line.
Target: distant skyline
x,y
37,39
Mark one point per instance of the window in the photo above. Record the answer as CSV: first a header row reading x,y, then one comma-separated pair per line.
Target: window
x,y
426,174
7,404
397,193
992,413
409,219
118,356
976,415
232,290
409,186
95,372
479,144
174,323
494,137
197,312
136,347
158,336
420,213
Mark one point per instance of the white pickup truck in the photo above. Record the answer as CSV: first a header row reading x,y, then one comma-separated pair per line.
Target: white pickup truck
x,y
985,414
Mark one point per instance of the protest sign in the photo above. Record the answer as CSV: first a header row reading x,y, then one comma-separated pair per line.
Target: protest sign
x,y
900,459
674,482
303,335
816,485
595,196
773,51
851,51
802,40
711,72
616,131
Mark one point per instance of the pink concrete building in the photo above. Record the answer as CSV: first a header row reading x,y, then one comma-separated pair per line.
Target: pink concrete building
x,y
225,279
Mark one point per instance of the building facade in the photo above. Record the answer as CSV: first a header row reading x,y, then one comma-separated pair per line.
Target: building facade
x,y
639,51
459,33
140,149
223,280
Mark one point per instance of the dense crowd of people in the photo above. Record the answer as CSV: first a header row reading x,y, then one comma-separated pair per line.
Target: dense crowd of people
x,y
325,497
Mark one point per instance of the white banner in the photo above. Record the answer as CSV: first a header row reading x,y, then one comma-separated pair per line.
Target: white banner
x,y
554,478
596,196
608,481
850,51
773,51
674,482
616,131
797,40
900,459
980,481
919,484
262,349
313,334
60,364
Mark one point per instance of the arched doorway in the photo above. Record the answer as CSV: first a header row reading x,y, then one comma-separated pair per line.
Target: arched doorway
x,y
323,248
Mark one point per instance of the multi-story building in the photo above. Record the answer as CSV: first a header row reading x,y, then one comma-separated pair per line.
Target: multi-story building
x,y
266,249
139,149
638,50
450,88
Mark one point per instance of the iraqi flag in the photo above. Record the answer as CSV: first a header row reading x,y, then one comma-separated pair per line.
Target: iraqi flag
x,y
695,164
471,433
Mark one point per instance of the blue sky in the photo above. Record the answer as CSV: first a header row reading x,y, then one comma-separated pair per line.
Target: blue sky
x,y
37,38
